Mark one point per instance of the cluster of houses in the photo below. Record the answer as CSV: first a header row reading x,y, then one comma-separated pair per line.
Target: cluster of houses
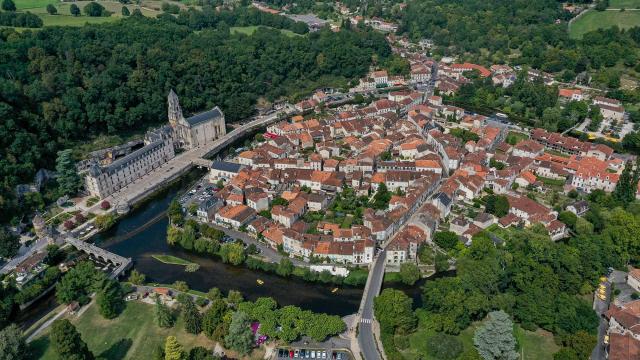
x,y
412,144
304,164
610,109
624,324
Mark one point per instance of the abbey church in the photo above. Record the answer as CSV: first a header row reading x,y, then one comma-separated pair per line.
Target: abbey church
x,y
197,130
105,176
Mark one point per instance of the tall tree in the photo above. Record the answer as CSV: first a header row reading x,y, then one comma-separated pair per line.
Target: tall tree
x,y
136,277
409,273
163,315
79,282
9,243
110,300
625,190
67,342
172,349
192,317
8,5
494,340
393,308
74,10
12,344
213,316
240,336
68,177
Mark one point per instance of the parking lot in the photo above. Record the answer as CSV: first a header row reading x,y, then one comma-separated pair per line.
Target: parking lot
x,y
201,191
293,353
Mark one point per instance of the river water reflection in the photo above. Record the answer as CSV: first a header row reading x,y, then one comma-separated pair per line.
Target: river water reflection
x,y
142,233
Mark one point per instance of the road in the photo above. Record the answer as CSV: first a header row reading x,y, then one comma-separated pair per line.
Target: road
x,y
265,251
184,161
600,307
162,175
366,338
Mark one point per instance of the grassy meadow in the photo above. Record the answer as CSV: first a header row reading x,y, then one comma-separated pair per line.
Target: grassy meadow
x,y
593,20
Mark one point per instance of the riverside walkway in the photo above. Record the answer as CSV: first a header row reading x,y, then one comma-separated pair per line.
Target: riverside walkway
x,y
184,161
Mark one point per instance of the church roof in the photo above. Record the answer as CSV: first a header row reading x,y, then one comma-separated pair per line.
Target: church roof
x,y
204,116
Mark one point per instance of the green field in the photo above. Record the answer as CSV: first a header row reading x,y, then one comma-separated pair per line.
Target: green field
x,y
249,30
32,4
593,20
173,260
132,335
64,17
627,4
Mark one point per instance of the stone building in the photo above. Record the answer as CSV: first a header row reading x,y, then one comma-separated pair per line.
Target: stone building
x,y
104,181
159,147
197,130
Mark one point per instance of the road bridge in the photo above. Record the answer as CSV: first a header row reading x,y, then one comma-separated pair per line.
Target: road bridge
x,y
371,349
121,263
183,162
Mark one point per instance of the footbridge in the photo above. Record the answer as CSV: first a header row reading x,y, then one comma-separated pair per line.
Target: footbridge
x,y
121,263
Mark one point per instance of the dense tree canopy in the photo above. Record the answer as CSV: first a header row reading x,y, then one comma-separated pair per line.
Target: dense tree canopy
x,y
63,85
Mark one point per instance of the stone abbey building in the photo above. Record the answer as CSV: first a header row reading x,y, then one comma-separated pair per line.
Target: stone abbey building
x,y
159,147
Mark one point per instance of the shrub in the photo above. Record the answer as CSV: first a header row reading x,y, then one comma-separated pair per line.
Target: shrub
x,y
69,224
105,205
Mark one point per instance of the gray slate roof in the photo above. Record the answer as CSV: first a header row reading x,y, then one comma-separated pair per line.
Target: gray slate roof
x,y
226,166
204,116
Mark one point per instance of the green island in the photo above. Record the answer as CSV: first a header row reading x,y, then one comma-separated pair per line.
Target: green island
x,y
174,260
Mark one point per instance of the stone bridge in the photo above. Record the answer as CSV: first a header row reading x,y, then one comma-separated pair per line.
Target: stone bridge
x,y
121,263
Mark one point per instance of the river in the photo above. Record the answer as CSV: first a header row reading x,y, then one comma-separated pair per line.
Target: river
x,y
142,233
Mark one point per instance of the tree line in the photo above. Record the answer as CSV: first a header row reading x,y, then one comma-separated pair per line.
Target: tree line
x,y
64,85
537,282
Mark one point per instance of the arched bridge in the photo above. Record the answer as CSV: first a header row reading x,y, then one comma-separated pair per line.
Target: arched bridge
x,y
121,263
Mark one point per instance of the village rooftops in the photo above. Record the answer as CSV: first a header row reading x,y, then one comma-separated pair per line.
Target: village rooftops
x,y
226,166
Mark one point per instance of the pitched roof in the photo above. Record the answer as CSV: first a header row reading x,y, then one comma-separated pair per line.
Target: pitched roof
x,y
205,116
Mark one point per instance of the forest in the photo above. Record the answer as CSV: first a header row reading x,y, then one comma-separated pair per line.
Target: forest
x,y
525,29
63,86
538,282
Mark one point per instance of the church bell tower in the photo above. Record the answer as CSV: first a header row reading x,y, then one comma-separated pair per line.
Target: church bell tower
x,y
174,112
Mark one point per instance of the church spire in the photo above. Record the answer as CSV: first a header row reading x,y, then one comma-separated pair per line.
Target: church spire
x,y
174,112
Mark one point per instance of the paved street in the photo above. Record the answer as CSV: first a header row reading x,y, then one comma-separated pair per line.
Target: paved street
x,y
600,307
183,161
265,251
366,338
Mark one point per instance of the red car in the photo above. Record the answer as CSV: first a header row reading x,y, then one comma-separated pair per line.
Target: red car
x,y
291,354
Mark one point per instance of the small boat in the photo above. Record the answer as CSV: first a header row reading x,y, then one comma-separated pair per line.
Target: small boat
x,y
260,282
334,290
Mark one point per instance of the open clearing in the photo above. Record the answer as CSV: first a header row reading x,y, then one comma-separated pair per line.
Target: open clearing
x,y
593,20
249,30
533,345
64,17
627,4
132,335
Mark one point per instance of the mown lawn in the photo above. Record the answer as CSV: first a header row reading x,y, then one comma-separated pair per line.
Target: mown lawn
x,y
132,335
170,259
627,4
594,20
64,17
514,137
31,4
249,30
533,345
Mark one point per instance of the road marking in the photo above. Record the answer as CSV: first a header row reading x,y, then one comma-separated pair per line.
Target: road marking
x,y
365,321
